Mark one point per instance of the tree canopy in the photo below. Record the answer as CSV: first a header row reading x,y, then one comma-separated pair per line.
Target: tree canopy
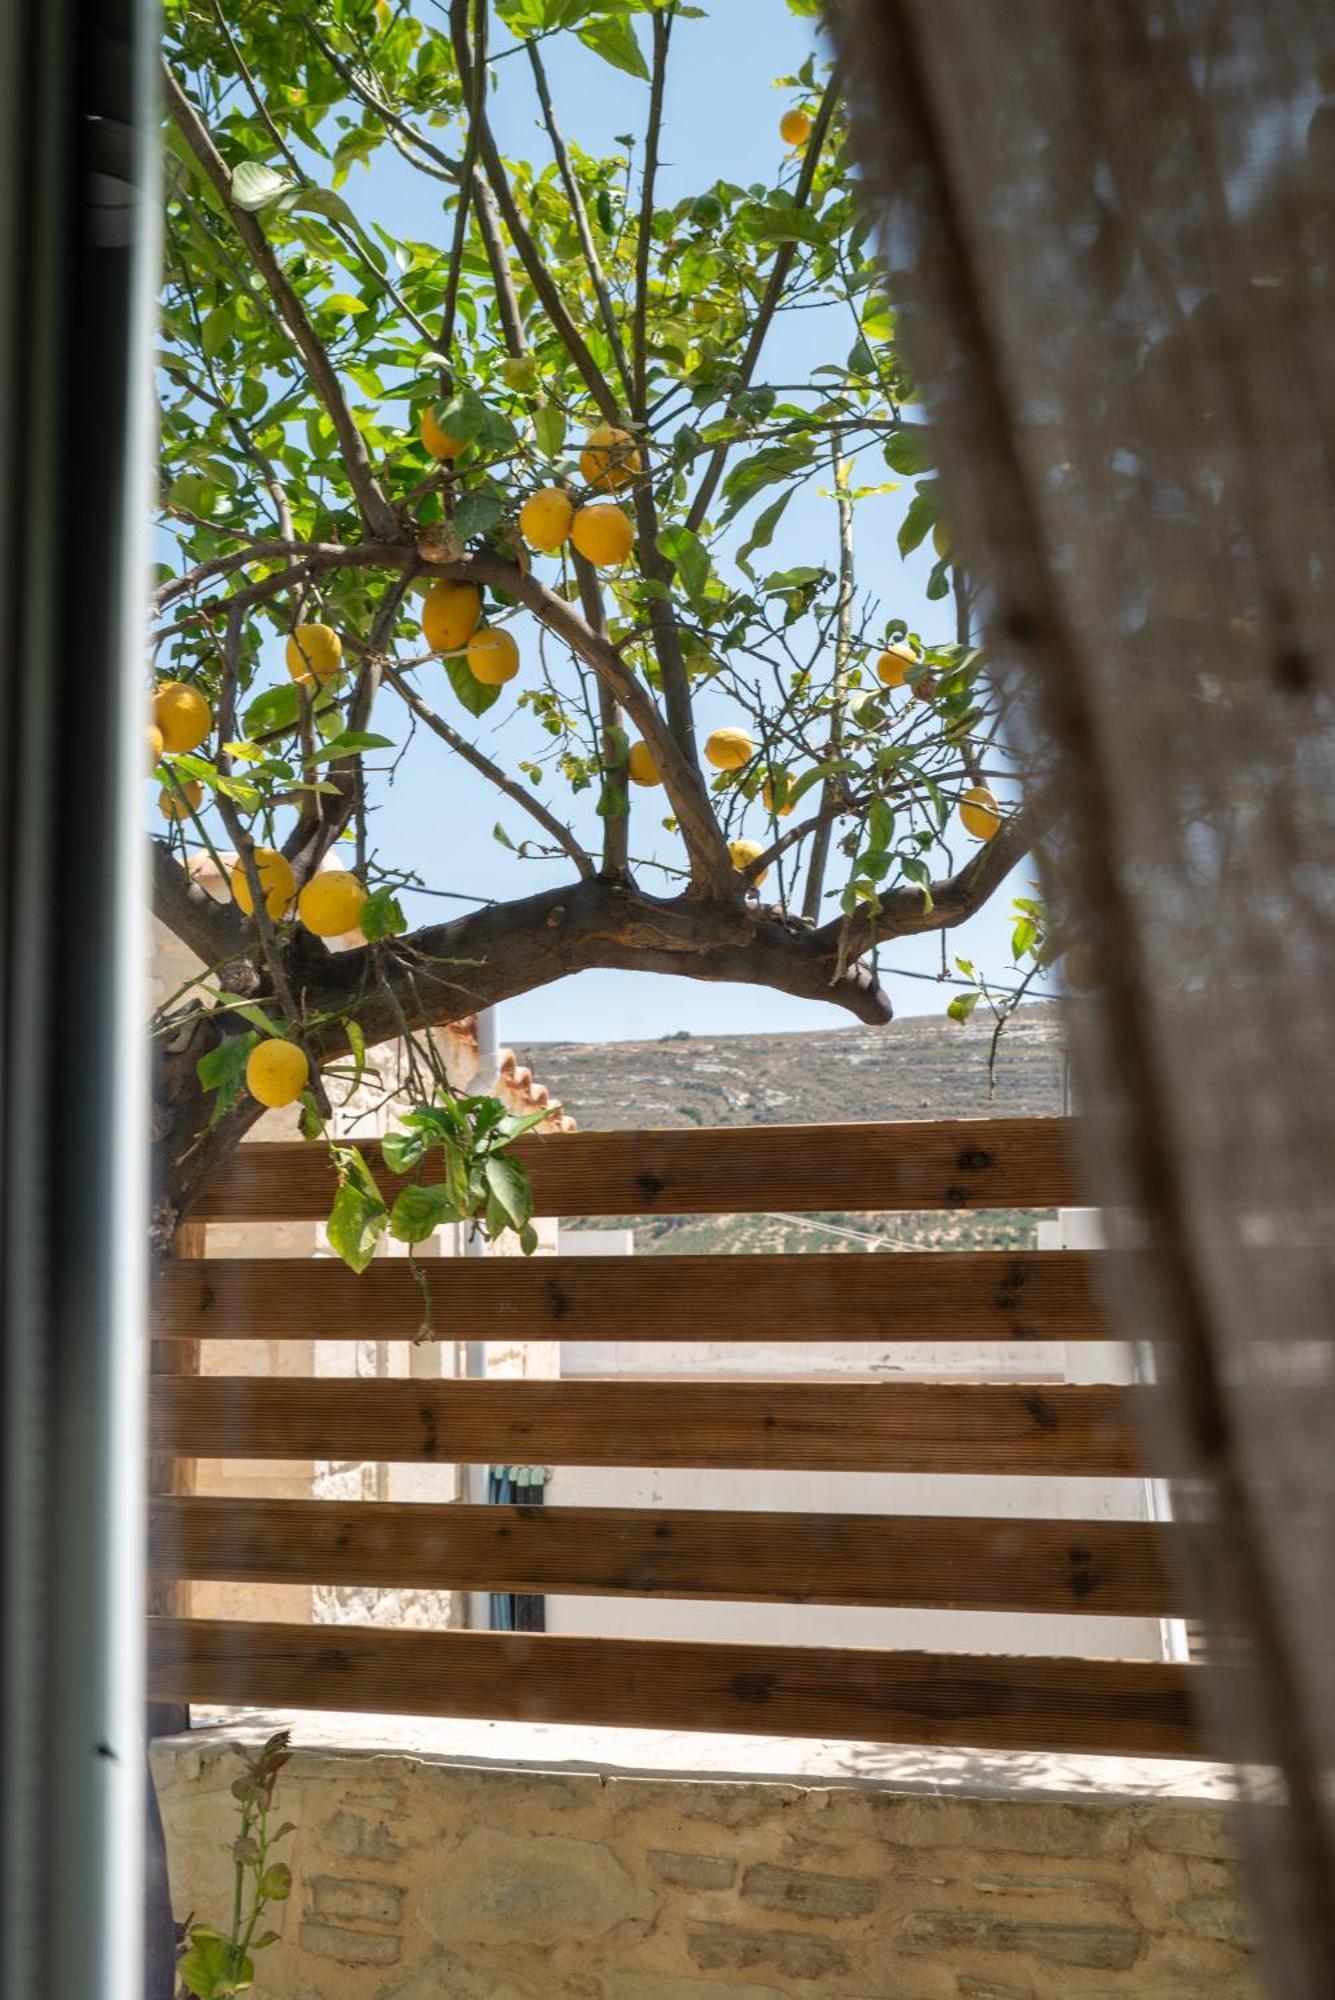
x,y
748,769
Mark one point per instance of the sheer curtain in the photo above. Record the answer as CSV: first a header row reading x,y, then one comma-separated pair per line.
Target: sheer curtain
x,y
1111,228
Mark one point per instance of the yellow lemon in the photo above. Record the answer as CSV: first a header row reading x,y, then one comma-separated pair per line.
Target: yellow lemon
x,y
795,127
980,812
173,805
493,656
767,796
438,442
314,653
640,766
450,616
729,749
182,714
609,459
743,853
895,665
603,535
276,1072
276,879
331,903
156,746
544,519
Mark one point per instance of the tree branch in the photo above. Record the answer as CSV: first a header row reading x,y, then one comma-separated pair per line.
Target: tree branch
x,y
530,256
597,275
662,33
216,932
375,509
520,794
905,912
769,305
616,825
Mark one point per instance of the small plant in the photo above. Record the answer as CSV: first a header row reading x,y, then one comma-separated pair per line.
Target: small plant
x,y
214,1964
478,1180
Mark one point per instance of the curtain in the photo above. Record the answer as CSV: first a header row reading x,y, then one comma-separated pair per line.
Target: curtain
x,y
1110,226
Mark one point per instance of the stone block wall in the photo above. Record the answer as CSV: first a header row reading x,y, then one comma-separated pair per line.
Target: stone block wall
x,y
421,1879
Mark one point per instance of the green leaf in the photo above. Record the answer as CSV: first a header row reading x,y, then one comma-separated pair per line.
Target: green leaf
x,y
880,825
691,557
275,1884
401,1151
962,1006
549,428
476,696
509,1186
614,40
762,531
764,467
207,1969
382,916
418,1212
350,744
276,709
323,201
356,1224
918,872
907,451
223,1069
255,186
770,223
475,514
917,523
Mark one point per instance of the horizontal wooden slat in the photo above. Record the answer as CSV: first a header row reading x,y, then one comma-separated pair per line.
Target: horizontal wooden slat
x,y
1105,1567
830,1426
951,1164
1120,1707
911,1295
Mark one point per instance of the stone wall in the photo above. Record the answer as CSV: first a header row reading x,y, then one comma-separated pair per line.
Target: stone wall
x,y
418,1879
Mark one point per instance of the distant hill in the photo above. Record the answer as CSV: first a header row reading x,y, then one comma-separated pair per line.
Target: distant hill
x,y
922,1067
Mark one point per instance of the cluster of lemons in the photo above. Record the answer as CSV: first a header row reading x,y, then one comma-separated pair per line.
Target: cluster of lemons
x,y
330,904
600,531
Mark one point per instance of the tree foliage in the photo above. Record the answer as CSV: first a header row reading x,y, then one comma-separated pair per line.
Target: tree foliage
x,y
304,349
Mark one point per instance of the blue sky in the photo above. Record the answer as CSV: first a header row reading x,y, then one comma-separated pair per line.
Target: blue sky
x,y
721,118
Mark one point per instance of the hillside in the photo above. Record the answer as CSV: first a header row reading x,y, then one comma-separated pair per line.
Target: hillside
x,y
920,1067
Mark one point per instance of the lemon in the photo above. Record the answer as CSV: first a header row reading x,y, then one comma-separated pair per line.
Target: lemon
x,y
795,127
493,656
331,903
438,442
314,654
895,665
544,519
767,796
173,805
182,714
609,458
450,616
743,853
980,812
276,1072
276,879
156,746
640,766
603,535
729,749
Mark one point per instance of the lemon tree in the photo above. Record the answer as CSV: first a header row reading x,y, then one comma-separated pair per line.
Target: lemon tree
x,y
524,485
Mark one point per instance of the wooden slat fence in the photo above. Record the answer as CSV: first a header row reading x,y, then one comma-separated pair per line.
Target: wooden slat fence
x,y
1119,1568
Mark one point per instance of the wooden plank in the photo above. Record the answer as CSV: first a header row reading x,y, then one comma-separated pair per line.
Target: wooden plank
x,y
950,1164
980,1295
167,1596
1121,1707
1104,1567
831,1426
